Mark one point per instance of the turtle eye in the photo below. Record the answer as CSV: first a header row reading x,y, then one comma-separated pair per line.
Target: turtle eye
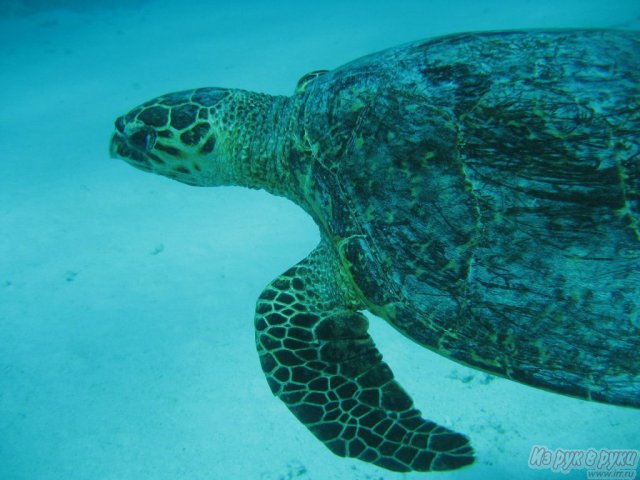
x,y
144,139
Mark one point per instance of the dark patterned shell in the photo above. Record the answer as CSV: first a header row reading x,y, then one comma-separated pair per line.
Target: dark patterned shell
x,y
484,193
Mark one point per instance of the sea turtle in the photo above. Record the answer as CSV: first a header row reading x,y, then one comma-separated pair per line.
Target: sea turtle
x,y
480,192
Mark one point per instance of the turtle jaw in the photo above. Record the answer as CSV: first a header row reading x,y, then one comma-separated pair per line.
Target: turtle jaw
x,y
120,149
138,151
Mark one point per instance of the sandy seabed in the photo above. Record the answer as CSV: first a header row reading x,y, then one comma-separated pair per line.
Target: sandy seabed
x,y
126,300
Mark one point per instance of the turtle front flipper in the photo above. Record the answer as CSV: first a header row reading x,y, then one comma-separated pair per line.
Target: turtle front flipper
x,y
320,361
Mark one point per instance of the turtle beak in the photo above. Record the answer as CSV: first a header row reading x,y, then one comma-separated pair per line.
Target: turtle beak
x,y
117,140
113,146
120,124
119,148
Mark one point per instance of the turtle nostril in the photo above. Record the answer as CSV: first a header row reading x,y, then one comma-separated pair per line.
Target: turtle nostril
x,y
120,125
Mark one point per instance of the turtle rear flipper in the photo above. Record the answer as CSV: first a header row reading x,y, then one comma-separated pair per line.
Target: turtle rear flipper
x,y
319,359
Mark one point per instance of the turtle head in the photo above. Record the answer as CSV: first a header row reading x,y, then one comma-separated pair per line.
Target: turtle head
x,y
203,137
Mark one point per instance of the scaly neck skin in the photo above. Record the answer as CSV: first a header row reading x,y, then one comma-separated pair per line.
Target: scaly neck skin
x,y
259,145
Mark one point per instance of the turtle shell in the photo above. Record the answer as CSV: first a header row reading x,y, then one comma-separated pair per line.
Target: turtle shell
x,y
483,192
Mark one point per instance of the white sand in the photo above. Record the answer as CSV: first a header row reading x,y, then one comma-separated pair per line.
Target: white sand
x,y
126,300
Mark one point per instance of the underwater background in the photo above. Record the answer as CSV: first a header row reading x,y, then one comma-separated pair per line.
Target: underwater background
x,y
127,300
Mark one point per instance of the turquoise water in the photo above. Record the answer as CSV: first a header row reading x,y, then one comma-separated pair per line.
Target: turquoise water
x,y
126,300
